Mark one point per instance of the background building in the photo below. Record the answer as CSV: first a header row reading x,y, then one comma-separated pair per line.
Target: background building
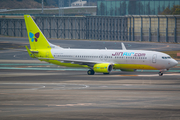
x,y
134,7
79,3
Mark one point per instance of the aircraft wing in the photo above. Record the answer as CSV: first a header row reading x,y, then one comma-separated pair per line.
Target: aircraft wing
x,y
80,62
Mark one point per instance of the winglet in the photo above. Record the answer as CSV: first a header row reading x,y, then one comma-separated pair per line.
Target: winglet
x,y
123,46
29,52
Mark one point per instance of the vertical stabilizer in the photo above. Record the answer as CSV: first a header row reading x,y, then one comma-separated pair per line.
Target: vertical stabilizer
x,y
37,39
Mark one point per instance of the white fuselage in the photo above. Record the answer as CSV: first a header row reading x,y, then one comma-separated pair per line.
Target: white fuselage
x,y
154,59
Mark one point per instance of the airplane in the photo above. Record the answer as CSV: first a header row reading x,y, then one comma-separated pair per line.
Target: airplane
x,y
97,60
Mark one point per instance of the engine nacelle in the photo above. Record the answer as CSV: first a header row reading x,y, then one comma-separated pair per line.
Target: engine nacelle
x,y
103,68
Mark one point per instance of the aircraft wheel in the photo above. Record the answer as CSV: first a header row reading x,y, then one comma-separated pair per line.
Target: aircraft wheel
x,y
90,72
160,74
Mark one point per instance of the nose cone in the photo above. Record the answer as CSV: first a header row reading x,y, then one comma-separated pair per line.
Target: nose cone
x,y
174,62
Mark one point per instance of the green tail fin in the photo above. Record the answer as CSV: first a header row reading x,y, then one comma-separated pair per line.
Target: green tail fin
x,y
36,38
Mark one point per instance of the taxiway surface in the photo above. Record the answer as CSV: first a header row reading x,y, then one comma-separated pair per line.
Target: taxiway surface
x,y
30,89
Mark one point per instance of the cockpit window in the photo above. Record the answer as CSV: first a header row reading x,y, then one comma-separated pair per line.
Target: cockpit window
x,y
166,57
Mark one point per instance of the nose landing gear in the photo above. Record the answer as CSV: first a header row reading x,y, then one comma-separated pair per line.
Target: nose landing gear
x,y
160,73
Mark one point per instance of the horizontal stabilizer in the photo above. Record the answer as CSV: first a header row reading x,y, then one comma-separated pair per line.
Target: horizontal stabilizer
x,y
30,53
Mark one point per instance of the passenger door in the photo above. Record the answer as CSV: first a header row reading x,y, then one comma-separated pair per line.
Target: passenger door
x,y
154,58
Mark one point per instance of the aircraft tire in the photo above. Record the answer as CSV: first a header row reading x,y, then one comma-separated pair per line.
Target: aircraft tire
x,y
160,74
90,72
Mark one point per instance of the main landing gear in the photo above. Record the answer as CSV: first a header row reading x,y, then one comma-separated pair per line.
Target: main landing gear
x,y
160,73
90,72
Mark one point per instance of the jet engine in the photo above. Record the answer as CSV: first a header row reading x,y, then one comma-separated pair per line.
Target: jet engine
x,y
103,68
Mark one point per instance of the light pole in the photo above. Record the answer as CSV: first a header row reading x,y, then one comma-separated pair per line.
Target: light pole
x,y
61,9
69,3
42,5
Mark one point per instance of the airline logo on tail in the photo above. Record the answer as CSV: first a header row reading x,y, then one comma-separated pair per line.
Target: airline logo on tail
x,y
34,37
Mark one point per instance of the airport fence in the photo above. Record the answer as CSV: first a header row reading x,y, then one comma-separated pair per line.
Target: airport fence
x,y
125,28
